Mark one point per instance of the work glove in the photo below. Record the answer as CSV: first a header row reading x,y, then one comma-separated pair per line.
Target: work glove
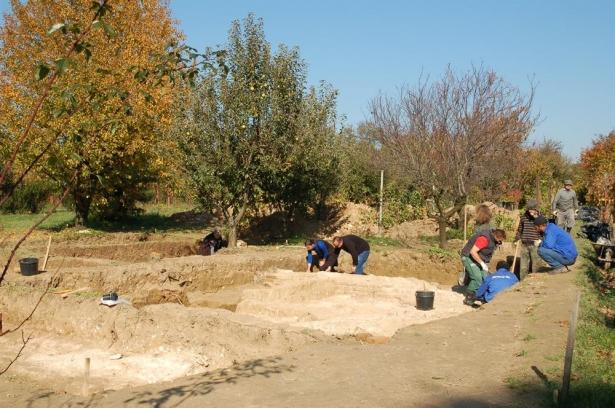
x,y
576,212
555,212
484,267
537,242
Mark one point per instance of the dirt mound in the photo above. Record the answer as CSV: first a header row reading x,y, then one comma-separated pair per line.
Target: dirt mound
x,y
359,219
495,211
411,230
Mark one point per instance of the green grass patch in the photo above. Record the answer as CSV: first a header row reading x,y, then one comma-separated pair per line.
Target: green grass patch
x,y
154,217
594,352
384,241
437,253
22,222
554,357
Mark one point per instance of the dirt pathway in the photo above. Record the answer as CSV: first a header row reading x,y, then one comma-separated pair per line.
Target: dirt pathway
x,y
499,355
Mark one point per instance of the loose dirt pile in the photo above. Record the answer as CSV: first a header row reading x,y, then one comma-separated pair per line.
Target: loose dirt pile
x,y
359,219
411,230
495,211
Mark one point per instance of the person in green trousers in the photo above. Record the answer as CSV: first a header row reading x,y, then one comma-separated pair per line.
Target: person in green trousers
x,y
475,257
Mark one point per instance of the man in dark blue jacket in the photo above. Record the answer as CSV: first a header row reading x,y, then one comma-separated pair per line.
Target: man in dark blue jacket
x,y
557,247
320,254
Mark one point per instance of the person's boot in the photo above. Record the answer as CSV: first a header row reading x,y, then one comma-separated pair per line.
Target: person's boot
x,y
469,299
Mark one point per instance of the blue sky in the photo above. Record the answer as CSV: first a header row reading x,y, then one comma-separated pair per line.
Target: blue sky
x,y
366,47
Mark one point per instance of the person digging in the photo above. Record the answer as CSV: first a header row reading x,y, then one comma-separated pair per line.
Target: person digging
x,y
357,247
320,254
528,234
557,248
475,256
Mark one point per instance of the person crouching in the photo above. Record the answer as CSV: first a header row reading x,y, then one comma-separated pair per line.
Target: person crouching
x,y
496,282
320,254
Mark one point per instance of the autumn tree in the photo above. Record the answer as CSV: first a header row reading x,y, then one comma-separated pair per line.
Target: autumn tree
x,y
598,173
449,136
544,168
252,133
104,114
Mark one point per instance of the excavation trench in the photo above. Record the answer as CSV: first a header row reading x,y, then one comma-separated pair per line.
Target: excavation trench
x,y
193,314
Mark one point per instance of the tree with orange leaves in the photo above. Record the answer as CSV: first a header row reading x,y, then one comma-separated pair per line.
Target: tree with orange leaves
x,y
103,115
598,171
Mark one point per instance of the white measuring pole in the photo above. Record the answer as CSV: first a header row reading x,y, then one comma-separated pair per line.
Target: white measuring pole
x,y
381,200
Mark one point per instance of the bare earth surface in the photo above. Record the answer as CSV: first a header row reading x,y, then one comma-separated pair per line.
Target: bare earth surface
x,y
473,359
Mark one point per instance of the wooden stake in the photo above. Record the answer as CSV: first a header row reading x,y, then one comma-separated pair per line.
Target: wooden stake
x,y
47,254
563,395
465,223
86,378
512,269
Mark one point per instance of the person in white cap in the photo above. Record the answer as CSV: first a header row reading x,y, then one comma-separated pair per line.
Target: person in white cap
x,y
565,206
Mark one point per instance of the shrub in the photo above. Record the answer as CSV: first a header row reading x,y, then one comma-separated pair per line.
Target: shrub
x,y
29,197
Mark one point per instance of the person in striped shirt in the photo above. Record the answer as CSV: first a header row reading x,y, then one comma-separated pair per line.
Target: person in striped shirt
x,y
528,234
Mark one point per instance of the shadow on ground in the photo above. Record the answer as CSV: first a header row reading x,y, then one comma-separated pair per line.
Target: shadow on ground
x,y
181,221
206,383
175,396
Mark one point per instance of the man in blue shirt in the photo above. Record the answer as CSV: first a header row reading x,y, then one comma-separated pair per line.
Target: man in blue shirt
x,y
496,282
320,254
557,247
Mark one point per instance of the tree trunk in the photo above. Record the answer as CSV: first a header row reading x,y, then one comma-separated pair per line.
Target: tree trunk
x,y
232,235
83,202
442,224
233,220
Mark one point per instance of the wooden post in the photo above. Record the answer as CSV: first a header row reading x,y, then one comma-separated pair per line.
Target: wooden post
x,y
512,268
381,201
86,378
46,255
563,395
465,223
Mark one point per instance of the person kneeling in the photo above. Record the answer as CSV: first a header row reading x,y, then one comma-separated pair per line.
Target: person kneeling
x,y
475,256
557,247
496,282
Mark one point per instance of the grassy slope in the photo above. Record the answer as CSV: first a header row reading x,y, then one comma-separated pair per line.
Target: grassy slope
x,y
594,358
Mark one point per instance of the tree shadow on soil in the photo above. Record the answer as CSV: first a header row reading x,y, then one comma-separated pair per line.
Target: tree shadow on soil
x,y
276,229
206,383
181,221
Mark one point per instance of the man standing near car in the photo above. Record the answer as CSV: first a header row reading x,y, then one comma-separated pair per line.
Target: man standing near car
x,y
565,206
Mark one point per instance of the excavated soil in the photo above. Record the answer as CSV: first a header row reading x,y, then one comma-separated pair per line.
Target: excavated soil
x,y
189,314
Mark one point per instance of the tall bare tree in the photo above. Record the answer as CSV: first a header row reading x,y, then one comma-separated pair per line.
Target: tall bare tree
x,y
451,135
